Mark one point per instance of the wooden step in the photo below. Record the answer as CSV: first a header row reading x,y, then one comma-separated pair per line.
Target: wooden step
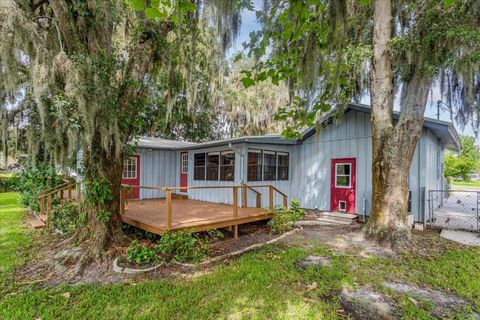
x,y
330,221
37,224
42,217
339,215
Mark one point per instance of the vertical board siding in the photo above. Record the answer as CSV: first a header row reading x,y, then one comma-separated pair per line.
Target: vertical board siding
x,y
157,169
309,168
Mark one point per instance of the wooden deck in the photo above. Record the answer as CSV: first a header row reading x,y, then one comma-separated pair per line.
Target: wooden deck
x,y
151,215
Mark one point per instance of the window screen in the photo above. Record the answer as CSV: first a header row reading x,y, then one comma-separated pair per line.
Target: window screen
x,y
282,166
199,166
227,166
213,161
254,172
269,165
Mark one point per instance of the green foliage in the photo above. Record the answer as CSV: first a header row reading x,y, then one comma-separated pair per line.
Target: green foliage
x,y
34,179
182,246
285,217
98,192
66,218
140,254
460,164
8,182
267,281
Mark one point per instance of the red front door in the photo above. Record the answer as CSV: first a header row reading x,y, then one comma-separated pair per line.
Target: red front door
x,y
131,176
342,194
183,171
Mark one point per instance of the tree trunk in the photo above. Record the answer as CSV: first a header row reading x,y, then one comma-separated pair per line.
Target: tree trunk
x,y
393,146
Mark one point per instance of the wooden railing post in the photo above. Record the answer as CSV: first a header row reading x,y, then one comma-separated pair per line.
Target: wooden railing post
x,y
61,194
285,201
235,211
270,197
168,195
42,203
122,200
69,192
244,196
259,200
49,207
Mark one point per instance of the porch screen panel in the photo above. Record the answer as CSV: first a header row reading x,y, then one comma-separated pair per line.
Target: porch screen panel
x,y
213,161
199,166
227,166
254,164
283,166
269,165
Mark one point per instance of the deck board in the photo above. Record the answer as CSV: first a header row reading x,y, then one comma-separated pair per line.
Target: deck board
x,y
150,215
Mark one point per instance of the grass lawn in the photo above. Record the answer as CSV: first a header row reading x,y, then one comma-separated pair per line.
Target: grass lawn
x,y
261,285
467,183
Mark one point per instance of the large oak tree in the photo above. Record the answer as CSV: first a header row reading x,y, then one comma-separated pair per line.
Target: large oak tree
x,y
333,52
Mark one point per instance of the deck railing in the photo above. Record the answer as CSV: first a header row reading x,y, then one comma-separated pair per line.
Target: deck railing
x,y
46,197
169,198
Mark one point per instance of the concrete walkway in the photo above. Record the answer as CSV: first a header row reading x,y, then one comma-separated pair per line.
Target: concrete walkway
x,y
464,237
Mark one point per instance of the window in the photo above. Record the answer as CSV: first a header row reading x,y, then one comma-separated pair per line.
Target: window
x,y
227,166
184,162
254,172
214,166
213,161
130,168
282,166
269,165
342,175
199,166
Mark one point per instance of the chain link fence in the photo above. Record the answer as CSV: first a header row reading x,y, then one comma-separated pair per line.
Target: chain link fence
x,y
454,209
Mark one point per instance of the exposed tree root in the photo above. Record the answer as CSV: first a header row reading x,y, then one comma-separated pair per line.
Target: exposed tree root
x,y
394,234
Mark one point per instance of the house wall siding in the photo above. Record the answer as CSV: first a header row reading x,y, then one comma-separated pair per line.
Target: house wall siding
x,y
309,168
158,168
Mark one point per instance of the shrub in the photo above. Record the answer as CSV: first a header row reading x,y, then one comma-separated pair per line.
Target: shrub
x,y
284,218
182,247
8,182
140,254
66,218
34,179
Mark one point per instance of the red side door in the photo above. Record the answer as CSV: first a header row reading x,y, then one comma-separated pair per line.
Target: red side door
x,y
131,176
342,194
183,171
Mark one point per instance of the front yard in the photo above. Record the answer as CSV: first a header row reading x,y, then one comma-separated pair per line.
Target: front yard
x,y
265,284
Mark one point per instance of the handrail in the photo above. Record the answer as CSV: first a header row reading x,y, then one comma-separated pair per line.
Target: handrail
x,y
246,187
271,189
46,208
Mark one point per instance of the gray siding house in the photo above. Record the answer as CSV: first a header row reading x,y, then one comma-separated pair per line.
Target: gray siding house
x,y
329,168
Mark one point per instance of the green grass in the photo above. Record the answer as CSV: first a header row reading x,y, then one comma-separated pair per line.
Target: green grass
x,y
14,237
467,183
260,285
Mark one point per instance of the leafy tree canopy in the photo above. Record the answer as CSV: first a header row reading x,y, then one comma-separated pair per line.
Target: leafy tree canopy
x,y
460,164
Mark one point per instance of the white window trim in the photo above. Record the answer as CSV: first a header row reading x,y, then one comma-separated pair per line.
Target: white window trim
x,y
136,168
343,175
184,159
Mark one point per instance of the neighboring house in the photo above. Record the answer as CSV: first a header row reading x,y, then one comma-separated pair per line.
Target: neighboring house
x,y
327,169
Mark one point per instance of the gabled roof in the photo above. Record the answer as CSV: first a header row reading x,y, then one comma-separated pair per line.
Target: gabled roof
x,y
443,130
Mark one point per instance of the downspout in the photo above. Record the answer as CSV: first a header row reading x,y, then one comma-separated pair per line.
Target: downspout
x,y
242,157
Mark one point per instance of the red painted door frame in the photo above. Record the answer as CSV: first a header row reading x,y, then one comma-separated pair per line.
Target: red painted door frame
x,y
133,193
342,198
183,174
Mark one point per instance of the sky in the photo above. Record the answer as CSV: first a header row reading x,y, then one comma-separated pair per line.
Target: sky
x,y
250,23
